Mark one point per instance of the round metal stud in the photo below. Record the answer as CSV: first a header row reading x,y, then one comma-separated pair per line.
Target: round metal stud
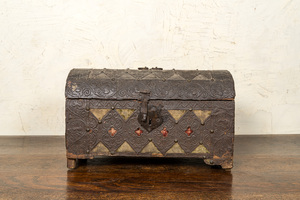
x,y
88,151
204,157
99,122
175,140
88,130
211,131
202,124
112,108
211,162
190,109
150,139
201,142
176,122
87,108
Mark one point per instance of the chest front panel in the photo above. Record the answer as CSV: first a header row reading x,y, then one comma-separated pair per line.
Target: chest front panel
x,y
189,128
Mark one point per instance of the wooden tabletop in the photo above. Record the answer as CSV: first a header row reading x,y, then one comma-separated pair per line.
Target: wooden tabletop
x,y
34,167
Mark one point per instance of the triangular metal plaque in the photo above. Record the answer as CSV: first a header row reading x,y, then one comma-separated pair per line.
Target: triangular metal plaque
x,y
150,148
177,114
202,114
125,113
175,149
125,147
176,77
126,76
150,77
200,149
99,113
102,76
201,77
100,148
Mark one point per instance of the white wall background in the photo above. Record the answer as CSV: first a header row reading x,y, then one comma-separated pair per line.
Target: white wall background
x,y
257,40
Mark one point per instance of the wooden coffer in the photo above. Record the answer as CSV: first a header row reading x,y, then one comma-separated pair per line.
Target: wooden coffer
x,y
150,113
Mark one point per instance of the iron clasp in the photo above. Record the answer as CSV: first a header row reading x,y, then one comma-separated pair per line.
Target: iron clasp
x,y
150,115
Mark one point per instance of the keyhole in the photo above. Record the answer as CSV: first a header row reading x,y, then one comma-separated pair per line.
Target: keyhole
x,y
150,122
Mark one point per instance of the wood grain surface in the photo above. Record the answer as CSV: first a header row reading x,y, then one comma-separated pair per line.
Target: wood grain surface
x,y
265,167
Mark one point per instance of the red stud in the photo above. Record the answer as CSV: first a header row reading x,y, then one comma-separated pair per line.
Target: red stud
x,y
164,132
112,131
189,131
138,131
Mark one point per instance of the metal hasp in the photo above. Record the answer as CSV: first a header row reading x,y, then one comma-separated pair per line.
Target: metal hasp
x,y
149,116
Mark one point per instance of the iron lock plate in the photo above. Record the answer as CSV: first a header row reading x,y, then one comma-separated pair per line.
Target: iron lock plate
x,y
150,116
